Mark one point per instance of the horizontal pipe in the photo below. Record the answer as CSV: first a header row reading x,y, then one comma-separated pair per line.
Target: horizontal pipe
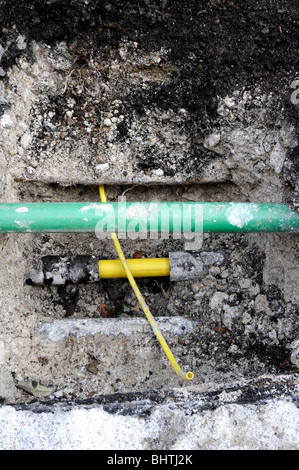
x,y
75,269
148,267
128,217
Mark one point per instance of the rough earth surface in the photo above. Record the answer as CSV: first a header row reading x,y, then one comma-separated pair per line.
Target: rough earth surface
x,y
160,101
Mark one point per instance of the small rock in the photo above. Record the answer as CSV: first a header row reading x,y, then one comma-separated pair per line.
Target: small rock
x,y
261,304
26,139
265,30
230,314
49,126
212,258
30,170
246,318
102,167
218,300
6,121
214,270
212,140
273,335
233,349
101,158
107,122
225,274
254,290
245,283
21,43
196,287
209,281
295,354
158,172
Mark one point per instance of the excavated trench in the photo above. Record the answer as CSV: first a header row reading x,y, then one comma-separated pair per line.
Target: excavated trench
x,y
158,101
243,312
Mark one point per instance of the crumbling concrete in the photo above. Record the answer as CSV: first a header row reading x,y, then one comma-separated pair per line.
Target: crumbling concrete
x,y
245,416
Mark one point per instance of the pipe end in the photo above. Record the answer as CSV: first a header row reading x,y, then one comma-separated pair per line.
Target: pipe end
x,y
189,376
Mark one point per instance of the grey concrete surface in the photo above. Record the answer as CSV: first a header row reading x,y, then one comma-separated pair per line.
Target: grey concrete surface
x,y
183,421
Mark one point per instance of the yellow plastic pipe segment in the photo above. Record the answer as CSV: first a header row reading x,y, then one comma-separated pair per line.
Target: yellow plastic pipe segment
x,y
154,267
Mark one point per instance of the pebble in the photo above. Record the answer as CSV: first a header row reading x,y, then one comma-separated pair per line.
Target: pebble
x,y
261,304
254,290
224,274
295,354
30,170
230,314
158,172
196,287
209,281
102,167
212,140
214,270
245,283
265,30
217,300
26,139
246,318
49,126
21,43
6,121
107,122
212,258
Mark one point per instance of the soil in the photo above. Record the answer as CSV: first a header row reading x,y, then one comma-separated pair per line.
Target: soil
x,y
209,49
204,91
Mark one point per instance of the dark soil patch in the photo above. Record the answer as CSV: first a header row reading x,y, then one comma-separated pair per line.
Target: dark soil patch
x,y
216,44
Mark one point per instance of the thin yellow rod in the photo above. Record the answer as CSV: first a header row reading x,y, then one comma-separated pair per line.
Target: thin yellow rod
x,y
183,375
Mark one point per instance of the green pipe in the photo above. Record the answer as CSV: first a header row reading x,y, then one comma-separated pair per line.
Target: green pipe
x,y
147,216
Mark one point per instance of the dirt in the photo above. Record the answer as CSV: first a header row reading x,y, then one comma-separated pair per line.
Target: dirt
x,y
171,100
201,53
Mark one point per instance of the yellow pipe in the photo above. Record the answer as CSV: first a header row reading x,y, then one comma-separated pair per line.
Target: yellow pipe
x,y
183,375
153,267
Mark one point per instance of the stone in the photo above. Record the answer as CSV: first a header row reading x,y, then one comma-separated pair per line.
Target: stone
x,y
261,304
6,121
218,299
245,283
107,122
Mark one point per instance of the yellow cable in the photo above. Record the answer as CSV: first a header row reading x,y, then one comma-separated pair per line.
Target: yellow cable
x,y
183,375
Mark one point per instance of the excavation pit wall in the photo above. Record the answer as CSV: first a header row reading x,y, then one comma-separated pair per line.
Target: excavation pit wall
x,y
87,340
136,105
